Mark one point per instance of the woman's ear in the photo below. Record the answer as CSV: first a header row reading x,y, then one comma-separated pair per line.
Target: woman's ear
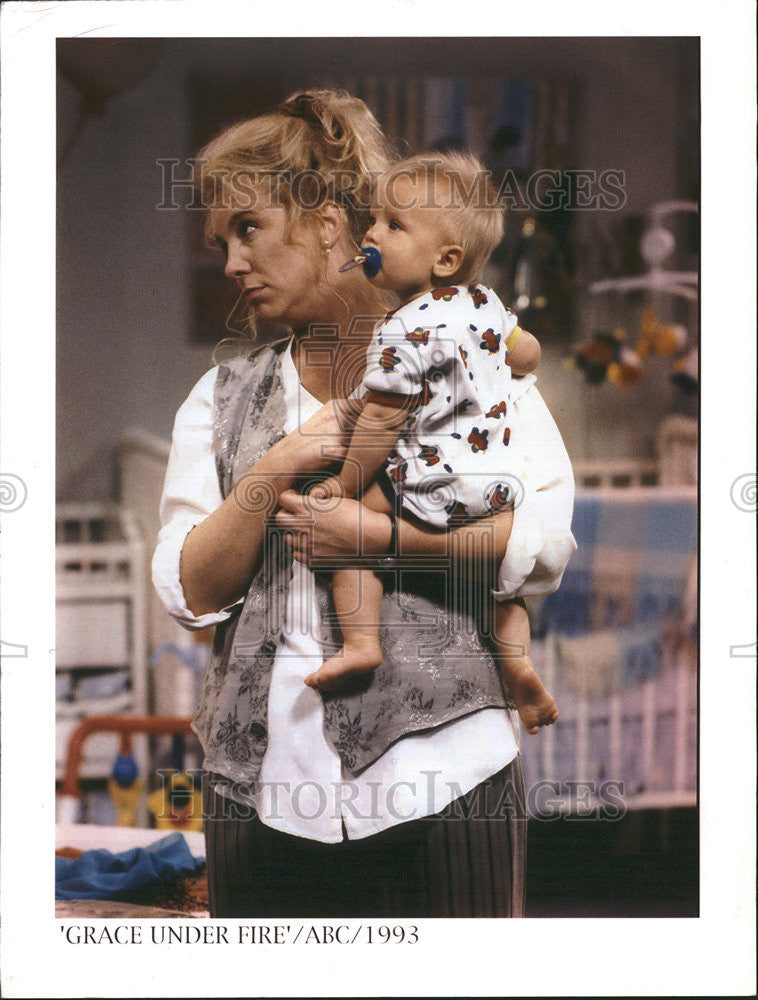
x,y
449,260
333,222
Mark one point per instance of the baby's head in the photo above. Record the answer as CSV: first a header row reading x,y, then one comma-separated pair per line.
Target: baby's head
x,y
436,220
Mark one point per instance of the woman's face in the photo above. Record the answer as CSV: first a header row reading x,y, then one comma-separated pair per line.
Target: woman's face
x,y
280,274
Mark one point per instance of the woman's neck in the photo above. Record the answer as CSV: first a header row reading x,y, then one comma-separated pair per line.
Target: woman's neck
x,y
330,354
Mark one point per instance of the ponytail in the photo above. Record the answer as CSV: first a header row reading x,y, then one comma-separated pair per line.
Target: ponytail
x,y
318,145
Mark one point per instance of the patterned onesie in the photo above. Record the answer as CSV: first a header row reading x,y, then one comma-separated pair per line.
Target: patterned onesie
x,y
451,462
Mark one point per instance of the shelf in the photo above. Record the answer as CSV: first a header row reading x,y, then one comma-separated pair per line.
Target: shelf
x,y
90,667
83,707
92,590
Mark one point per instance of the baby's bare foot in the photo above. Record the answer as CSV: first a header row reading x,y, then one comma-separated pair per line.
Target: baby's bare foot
x,y
536,706
350,660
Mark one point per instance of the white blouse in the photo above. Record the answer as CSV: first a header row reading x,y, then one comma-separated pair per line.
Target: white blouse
x,y
303,789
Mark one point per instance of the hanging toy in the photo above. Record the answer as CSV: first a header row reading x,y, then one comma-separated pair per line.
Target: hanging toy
x,y
667,341
594,357
625,369
605,355
177,805
661,339
124,786
369,257
685,373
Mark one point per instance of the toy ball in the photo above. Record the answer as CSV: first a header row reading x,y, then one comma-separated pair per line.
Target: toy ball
x,y
125,771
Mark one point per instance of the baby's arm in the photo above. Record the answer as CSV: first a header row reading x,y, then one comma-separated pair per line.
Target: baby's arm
x,y
374,435
523,351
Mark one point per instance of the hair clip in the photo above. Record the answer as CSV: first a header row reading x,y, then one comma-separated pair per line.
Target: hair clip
x,y
369,257
304,106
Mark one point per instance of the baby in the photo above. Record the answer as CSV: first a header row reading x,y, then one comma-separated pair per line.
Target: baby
x,y
438,382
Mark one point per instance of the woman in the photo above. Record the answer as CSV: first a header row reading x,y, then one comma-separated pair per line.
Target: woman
x,y
401,796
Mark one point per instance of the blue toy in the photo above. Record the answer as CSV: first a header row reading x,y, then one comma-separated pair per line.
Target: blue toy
x,y
369,257
125,770
125,785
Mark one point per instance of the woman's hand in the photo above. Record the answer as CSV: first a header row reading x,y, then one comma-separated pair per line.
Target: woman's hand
x,y
335,530
331,529
222,553
314,445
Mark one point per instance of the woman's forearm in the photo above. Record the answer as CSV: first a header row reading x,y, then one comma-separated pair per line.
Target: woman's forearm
x,y
221,555
482,541
319,533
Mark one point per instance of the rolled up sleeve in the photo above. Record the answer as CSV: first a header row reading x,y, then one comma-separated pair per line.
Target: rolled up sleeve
x,y
541,542
191,492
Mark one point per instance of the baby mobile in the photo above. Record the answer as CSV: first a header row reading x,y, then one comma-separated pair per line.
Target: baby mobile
x,y
606,354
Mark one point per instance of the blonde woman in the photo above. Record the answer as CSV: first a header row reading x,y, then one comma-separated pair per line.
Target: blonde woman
x,y
402,796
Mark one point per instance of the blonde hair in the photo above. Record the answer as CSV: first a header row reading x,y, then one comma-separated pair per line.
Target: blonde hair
x,y
467,199
317,146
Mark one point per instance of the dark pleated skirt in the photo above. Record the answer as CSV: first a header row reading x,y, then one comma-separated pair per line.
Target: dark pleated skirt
x,y
467,861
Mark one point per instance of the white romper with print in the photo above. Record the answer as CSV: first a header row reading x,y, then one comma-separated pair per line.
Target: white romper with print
x,y
453,458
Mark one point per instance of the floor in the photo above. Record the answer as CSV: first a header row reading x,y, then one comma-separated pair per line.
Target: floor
x,y
644,865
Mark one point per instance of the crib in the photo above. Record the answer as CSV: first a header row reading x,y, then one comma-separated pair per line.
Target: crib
x,y
616,645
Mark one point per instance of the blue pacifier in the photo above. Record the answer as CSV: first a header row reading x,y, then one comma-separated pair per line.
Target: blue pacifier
x,y
369,257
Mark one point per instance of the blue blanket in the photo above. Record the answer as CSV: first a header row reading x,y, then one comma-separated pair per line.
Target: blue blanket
x,y
636,550
99,874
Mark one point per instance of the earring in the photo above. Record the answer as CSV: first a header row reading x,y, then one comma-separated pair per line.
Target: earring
x,y
327,246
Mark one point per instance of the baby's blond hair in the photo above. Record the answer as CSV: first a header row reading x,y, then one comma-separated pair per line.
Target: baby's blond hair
x,y
465,195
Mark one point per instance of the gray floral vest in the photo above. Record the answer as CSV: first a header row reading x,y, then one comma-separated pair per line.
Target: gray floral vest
x,y
435,668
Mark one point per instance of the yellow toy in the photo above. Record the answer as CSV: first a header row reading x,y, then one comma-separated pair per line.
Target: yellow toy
x,y
177,805
124,787
663,340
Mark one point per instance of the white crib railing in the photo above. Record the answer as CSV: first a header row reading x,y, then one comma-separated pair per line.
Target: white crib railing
x,y
622,474
648,758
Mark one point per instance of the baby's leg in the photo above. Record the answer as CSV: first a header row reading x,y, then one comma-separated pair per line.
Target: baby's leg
x,y
357,595
535,705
